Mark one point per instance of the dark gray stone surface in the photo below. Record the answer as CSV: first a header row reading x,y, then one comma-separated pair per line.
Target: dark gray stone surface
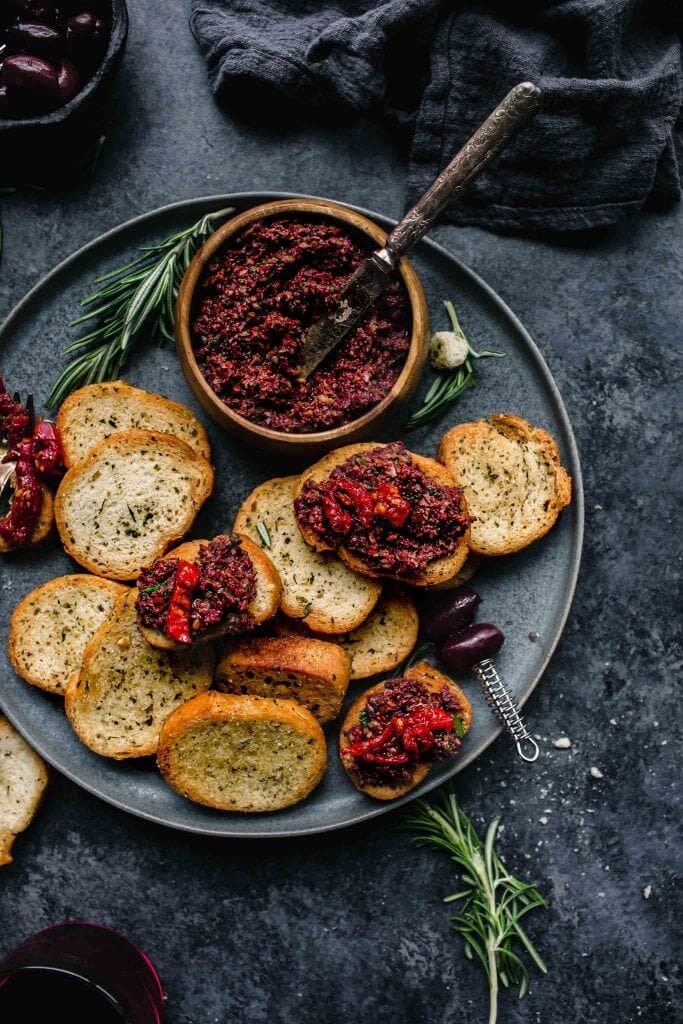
x,y
351,925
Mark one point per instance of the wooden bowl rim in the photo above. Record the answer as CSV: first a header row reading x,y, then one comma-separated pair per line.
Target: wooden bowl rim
x,y
416,296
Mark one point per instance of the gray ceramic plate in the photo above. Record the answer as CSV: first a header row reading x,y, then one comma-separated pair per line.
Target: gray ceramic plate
x,y
529,592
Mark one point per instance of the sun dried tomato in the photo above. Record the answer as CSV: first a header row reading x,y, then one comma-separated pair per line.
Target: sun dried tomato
x,y
15,422
17,526
337,517
178,620
414,732
349,493
47,451
390,504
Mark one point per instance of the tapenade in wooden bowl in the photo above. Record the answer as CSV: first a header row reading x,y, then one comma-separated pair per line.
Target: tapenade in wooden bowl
x,y
245,304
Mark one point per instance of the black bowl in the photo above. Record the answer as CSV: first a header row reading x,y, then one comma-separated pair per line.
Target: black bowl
x,y
53,148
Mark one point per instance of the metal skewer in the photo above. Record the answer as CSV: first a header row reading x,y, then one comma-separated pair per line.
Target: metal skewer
x,y
504,707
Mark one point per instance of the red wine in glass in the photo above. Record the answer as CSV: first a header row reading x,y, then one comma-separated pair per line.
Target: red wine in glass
x,y
84,973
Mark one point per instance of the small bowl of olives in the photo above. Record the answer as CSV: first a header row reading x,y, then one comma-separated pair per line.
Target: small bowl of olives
x,y
57,58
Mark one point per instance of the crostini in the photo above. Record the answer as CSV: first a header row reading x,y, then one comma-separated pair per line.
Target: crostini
x,y
247,754
23,778
124,691
387,512
512,478
396,730
51,627
317,589
204,589
313,672
129,499
96,411
379,644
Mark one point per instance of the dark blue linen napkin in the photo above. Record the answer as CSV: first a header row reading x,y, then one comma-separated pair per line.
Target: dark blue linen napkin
x,y
606,144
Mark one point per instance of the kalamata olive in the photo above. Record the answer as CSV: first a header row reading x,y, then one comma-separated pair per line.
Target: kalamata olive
x,y
450,612
463,650
86,39
36,39
69,80
32,84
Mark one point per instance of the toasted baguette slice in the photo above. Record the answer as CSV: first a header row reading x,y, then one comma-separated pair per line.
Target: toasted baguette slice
x,y
97,411
265,604
23,778
245,754
464,574
42,529
50,628
440,569
125,689
513,480
318,589
132,496
379,644
314,672
433,680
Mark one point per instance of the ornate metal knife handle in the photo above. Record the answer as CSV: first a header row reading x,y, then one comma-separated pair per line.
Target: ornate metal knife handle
x,y
518,107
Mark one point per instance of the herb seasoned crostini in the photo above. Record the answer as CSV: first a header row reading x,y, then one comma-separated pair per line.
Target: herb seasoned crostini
x,y
387,512
317,589
206,589
248,754
379,644
512,478
313,672
397,729
129,499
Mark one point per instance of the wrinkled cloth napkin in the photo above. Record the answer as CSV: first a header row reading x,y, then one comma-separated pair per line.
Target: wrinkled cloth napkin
x,y
605,145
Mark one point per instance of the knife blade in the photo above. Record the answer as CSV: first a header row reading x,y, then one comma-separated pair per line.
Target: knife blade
x,y
373,275
357,295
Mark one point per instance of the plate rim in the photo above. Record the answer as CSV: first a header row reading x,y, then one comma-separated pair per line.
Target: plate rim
x,y
372,810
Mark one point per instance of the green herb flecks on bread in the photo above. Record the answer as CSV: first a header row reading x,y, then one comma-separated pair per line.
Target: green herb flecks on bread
x,y
132,496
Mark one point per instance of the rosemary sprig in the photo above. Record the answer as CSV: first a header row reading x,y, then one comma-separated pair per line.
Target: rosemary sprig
x,y
449,384
263,533
140,295
493,901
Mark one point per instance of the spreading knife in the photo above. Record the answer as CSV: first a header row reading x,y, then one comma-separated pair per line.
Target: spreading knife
x,y
375,273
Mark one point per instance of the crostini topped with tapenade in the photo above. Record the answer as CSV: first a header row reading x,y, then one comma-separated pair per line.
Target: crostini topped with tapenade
x,y
205,589
388,512
397,729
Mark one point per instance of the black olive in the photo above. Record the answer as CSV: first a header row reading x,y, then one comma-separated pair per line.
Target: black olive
x,y
36,39
463,650
32,85
450,612
68,79
86,39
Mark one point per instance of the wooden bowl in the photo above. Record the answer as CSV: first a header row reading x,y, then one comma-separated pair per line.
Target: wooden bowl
x,y
301,445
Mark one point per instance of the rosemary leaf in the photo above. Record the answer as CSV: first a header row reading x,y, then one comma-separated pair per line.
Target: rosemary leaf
x,y
492,900
264,533
448,385
135,299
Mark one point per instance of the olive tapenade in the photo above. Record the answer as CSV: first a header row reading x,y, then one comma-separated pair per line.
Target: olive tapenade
x,y
186,600
401,725
383,508
256,303
36,450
